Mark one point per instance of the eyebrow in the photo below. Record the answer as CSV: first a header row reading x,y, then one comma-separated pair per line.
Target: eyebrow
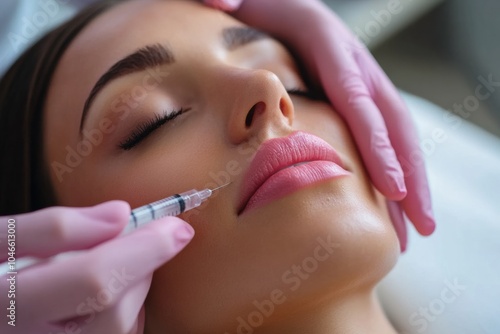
x,y
158,54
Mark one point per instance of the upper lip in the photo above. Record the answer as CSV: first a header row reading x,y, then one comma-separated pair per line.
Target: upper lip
x,y
279,153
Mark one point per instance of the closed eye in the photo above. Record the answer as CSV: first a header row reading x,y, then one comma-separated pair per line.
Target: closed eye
x,y
307,93
145,129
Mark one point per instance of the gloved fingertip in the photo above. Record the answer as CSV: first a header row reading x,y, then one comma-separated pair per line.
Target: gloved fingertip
x,y
183,235
428,227
400,193
426,222
225,5
400,185
402,245
167,236
176,231
396,186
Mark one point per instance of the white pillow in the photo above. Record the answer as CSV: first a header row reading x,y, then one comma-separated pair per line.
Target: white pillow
x,y
450,282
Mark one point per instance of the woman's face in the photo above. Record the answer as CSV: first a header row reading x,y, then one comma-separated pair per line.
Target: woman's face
x,y
310,232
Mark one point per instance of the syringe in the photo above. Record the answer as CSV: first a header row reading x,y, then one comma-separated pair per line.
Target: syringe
x,y
170,206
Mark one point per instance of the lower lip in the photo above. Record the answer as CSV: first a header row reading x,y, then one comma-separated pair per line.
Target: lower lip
x,y
291,179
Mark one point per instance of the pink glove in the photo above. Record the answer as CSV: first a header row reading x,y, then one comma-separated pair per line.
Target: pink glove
x,y
226,5
99,290
361,93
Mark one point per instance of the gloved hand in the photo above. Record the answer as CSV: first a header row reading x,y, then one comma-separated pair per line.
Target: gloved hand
x,y
360,91
99,290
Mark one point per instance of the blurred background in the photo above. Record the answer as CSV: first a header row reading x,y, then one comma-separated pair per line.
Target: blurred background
x,y
441,50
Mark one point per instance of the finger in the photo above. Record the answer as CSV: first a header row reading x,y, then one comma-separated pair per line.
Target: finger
x,y
127,316
417,203
353,101
103,274
53,230
225,5
399,223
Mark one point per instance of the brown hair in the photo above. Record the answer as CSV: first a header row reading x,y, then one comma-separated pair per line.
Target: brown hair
x,y
24,179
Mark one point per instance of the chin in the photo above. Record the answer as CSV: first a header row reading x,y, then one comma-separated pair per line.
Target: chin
x,y
340,240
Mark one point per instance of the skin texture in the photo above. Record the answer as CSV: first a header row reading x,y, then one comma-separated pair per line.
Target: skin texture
x,y
233,260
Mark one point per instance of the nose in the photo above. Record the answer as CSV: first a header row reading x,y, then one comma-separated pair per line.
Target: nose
x,y
260,105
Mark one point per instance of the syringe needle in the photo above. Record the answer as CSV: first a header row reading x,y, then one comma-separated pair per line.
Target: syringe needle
x,y
224,185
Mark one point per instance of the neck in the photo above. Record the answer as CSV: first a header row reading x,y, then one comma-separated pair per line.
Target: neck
x,y
357,314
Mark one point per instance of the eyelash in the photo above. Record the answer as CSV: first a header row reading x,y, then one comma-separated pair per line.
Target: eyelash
x,y
145,129
309,94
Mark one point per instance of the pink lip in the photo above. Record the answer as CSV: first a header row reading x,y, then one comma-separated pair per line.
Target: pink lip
x,y
268,178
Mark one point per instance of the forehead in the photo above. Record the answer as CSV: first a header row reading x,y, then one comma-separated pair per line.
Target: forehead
x,y
127,27
145,21
113,35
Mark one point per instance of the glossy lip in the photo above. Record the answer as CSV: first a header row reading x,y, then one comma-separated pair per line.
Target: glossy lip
x,y
275,155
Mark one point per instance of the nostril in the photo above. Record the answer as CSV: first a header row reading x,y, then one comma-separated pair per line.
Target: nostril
x,y
256,108
282,105
248,120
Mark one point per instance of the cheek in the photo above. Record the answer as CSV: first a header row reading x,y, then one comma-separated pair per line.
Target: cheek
x,y
169,163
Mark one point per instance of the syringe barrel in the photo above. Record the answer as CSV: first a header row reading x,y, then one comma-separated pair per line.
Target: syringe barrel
x,y
170,206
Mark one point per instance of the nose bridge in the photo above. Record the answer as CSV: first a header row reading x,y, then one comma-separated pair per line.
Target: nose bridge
x,y
255,102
